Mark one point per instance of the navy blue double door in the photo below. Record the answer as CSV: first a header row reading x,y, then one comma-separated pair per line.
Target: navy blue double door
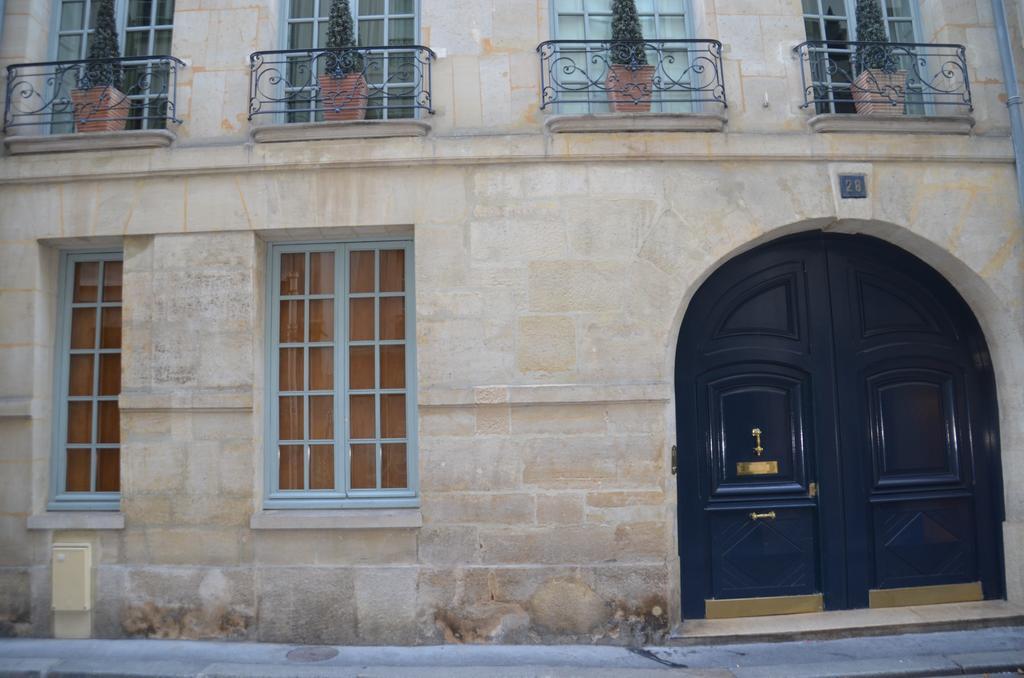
x,y
837,429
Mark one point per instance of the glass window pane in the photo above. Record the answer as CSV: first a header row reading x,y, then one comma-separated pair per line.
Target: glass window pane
x,y
321,273
371,7
601,6
810,6
371,32
80,375
321,369
289,373
600,28
392,416
360,319
321,320
292,321
83,328
136,43
139,11
112,273
109,422
392,366
392,271
110,374
289,418
834,7
392,318
364,467
836,30
571,28
394,473
301,8
321,467
645,7
402,32
161,45
108,470
672,28
164,12
71,16
568,6
110,335
361,274
671,6
403,7
69,47
80,422
300,35
897,8
812,28
362,418
901,31
321,417
79,470
360,368
290,467
293,274
87,277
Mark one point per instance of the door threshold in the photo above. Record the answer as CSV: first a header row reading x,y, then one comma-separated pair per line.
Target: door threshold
x,y
848,623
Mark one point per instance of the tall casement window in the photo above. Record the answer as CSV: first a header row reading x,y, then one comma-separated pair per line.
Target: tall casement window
x,y
87,454
379,23
146,27
831,68
580,20
342,410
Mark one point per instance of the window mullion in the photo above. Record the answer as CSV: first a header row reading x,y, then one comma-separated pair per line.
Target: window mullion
x,y
342,278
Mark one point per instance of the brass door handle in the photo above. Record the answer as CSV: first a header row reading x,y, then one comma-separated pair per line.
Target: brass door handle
x,y
758,450
754,515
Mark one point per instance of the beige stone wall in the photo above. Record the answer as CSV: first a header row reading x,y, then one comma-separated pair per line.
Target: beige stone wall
x,y
552,275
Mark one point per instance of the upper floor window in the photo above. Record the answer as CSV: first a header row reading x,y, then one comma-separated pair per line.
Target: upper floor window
x,y
592,19
87,447
145,28
393,76
342,413
833,65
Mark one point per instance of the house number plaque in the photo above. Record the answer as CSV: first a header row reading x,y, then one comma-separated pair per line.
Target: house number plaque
x,y
853,186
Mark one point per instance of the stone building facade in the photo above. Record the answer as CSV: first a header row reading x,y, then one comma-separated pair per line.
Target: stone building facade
x,y
552,258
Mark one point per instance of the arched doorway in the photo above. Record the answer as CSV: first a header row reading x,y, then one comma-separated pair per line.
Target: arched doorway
x,y
838,434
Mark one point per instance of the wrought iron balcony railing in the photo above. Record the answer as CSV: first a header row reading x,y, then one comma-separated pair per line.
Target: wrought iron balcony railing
x,y
894,78
592,76
308,85
56,97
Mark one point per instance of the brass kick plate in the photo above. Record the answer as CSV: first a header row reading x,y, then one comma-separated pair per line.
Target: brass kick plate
x,y
757,468
760,607
926,595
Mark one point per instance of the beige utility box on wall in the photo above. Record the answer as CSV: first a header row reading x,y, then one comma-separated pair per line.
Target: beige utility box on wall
x,y
72,590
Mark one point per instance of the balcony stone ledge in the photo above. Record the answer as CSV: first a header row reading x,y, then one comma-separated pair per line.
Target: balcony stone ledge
x,y
339,129
636,122
826,123
18,144
337,519
76,520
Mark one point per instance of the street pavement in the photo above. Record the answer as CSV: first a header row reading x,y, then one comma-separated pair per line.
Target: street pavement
x,y
991,651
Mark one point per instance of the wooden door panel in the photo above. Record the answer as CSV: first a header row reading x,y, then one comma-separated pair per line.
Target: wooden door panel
x,y
923,542
773,400
768,556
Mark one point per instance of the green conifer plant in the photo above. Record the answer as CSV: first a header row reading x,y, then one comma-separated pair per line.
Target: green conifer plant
x,y
627,36
340,37
103,45
871,28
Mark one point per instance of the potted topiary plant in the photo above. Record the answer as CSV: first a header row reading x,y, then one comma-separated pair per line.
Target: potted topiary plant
x,y
99,104
880,87
343,90
630,78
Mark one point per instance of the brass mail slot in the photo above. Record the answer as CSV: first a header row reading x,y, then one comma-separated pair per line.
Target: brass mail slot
x,y
757,468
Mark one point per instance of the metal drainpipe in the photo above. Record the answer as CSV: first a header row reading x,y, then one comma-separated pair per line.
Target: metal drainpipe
x,y
1013,102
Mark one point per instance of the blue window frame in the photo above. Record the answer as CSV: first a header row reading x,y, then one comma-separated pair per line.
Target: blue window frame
x,y
86,462
341,415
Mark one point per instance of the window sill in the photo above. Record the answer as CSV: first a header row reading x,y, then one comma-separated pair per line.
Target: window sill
x,y
337,519
343,129
636,122
826,123
91,141
76,520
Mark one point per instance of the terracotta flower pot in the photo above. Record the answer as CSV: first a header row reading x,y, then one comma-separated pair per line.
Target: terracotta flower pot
x,y
343,98
106,108
878,92
629,88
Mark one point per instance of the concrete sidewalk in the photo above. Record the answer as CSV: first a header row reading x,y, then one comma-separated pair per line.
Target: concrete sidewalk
x,y
983,651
